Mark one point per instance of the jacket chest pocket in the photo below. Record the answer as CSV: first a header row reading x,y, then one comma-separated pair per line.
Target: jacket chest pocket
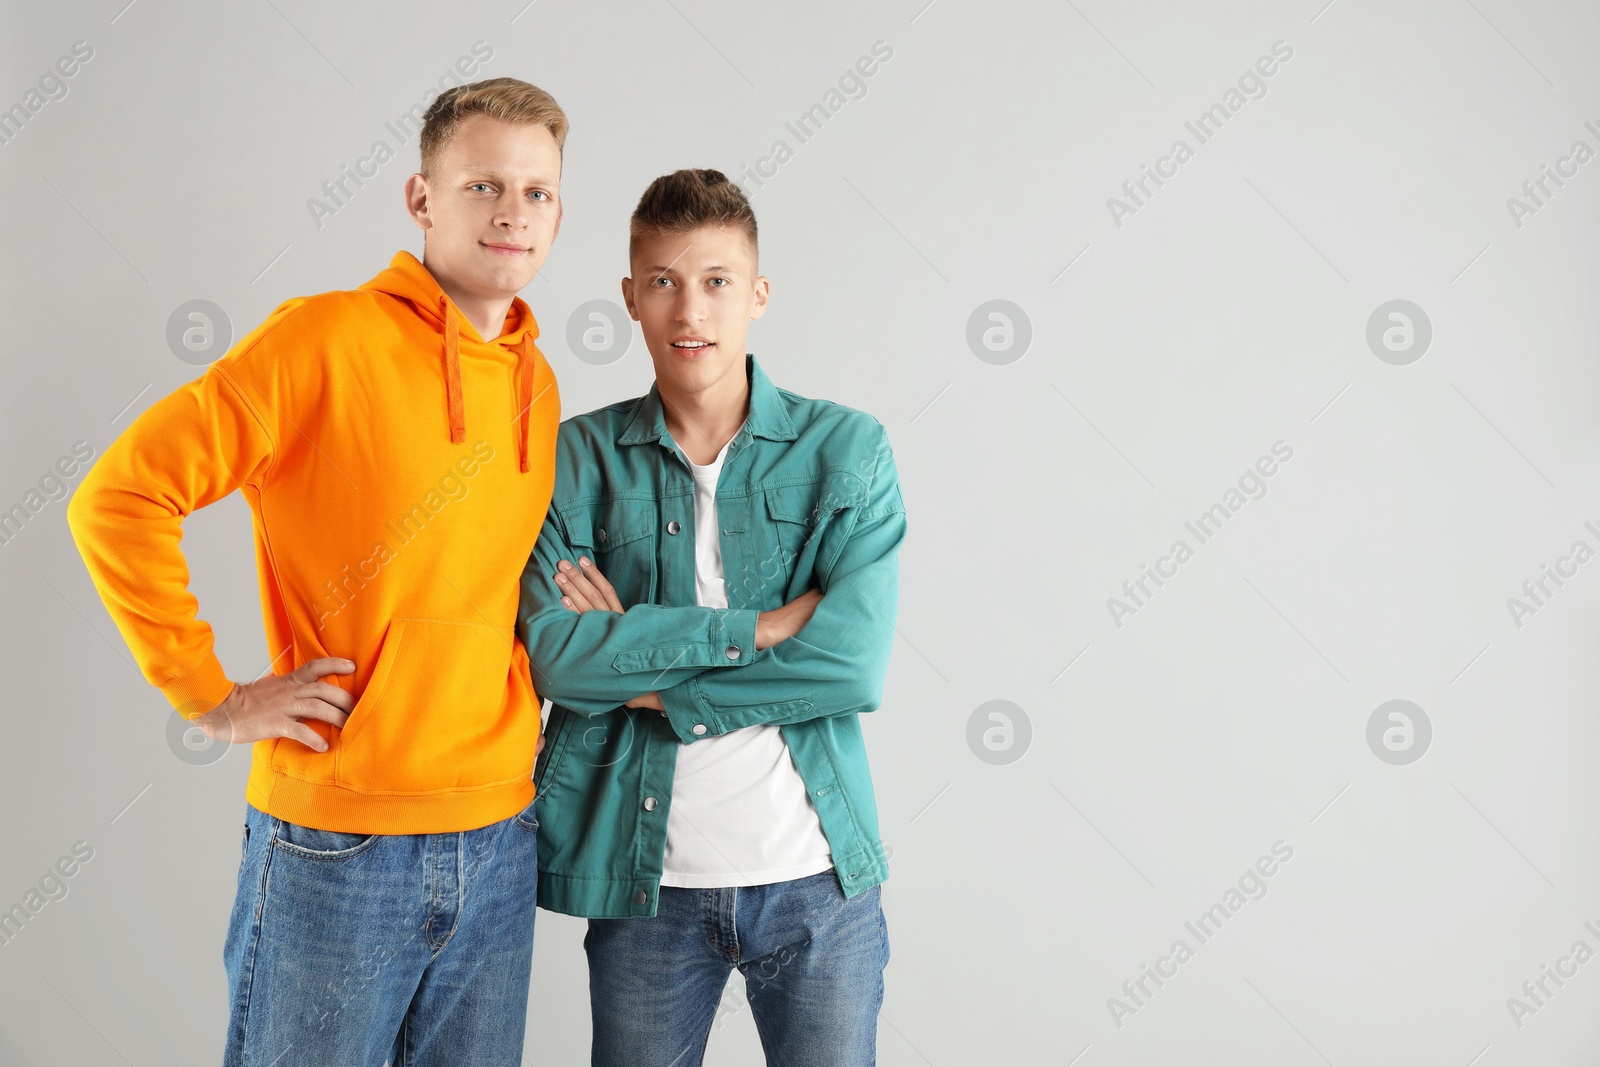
x,y
799,518
619,536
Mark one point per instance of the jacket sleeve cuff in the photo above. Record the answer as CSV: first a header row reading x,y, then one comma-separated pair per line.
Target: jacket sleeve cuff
x,y
200,690
687,711
737,628
727,639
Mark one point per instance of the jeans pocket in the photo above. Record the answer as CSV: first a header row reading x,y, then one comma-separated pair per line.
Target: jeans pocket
x,y
528,817
320,844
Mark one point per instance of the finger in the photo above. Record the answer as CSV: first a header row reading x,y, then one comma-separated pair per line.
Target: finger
x,y
299,731
608,593
578,599
578,579
538,748
328,692
310,708
311,670
570,598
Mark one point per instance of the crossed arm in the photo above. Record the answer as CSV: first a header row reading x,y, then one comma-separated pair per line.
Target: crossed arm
x,y
824,653
583,588
592,661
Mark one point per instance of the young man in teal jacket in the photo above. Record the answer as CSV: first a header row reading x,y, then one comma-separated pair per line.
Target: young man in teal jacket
x,y
710,608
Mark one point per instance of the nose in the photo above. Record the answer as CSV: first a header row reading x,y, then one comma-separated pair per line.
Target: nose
x,y
690,306
510,214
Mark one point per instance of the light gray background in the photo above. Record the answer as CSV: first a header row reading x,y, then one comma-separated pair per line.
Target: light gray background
x,y
1167,354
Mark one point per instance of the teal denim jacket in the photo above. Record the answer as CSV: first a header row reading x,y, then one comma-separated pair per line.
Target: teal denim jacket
x,y
808,498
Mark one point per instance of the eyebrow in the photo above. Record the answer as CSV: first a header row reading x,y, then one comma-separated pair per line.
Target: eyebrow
x,y
657,269
490,172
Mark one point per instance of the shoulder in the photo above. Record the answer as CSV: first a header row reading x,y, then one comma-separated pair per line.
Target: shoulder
x,y
587,454
806,411
837,433
596,430
343,306
839,452
303,329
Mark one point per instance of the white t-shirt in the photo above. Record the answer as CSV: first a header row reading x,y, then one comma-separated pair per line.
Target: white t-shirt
x,y
740,812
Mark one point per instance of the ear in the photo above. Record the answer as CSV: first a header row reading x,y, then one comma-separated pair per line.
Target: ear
x,y
627,299
416,193
758,297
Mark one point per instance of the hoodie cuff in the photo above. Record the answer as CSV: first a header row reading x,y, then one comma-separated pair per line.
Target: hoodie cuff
x,y
197,692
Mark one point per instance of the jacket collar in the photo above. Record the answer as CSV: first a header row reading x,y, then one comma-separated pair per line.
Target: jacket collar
x,y
768,416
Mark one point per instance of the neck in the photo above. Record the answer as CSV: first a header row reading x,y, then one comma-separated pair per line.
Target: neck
x,y
488,317
704,421
486,313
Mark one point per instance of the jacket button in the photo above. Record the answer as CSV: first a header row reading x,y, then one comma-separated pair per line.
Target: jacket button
x,y
733,652
649,803
601,534
699,728
641,897
673,527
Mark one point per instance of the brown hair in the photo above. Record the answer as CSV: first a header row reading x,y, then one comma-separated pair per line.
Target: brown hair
x,y
506,99
678,202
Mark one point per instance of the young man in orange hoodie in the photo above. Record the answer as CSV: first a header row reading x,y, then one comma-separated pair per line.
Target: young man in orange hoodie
x,y
396,445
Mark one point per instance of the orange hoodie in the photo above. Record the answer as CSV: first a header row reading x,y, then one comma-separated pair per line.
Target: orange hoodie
x,y
398,468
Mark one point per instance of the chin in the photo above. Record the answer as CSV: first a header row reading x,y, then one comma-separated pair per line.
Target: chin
x,y
509,279
695,374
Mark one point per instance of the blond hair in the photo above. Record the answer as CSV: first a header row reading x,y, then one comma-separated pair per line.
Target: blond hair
x,y
507,99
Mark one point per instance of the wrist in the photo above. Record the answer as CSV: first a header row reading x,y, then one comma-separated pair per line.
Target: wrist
x,y
768,629
214,721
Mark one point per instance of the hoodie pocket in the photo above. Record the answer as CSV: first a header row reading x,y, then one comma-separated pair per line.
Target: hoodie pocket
x,y
449,706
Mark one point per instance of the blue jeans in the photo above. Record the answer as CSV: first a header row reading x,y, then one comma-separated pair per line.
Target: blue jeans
x,y
350,949
812,963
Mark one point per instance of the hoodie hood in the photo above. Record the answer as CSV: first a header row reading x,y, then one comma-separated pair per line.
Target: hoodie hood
x,y
408,279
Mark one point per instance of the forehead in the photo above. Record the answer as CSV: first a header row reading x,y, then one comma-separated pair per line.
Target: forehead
x,y
706,246
483,143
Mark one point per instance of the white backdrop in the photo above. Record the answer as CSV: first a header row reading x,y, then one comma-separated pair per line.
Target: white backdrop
x,y
1339,346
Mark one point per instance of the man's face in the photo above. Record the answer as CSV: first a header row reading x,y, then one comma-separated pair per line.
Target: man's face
x,y
492,206
694,295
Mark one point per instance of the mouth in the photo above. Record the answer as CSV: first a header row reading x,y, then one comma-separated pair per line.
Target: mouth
x,y
505,248
692,347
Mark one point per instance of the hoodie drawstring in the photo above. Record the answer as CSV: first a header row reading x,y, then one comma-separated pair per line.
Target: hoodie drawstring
x,y
527,368
525,372
452,374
